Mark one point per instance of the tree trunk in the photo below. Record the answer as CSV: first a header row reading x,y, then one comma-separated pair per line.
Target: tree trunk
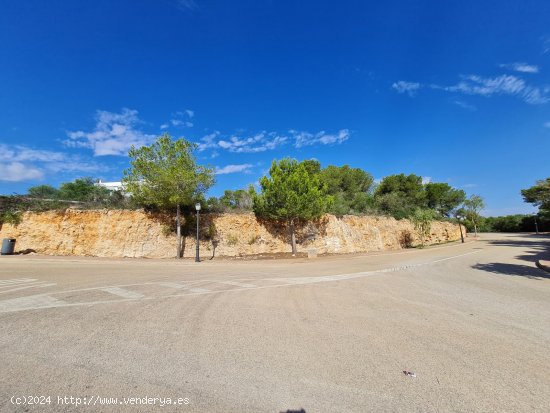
x,y
475,230
292,237
178,231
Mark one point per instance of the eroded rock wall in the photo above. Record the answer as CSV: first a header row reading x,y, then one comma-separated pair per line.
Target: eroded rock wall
x,y
123,233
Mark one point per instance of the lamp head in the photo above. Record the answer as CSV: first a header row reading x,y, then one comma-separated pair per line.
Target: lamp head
x,y
198,206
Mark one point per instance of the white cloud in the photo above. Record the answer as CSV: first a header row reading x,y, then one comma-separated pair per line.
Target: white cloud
x,y
208,141
323,138
500,85
520,67
180,119
21,163
406,87
181,123
259,142
265,141
18,153
17,172
114,134
465,105
230,169
74,164
426,180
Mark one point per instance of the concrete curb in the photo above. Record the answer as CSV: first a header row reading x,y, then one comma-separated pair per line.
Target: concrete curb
x,y
542,266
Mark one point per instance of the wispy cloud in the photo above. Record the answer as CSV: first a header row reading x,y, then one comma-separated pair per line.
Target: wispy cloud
x,y
180,119
181,123
260,142
406,87
547,124
20,163
464,105
264,141
426,180
19,172
302,138
187,4
520,67
113,134
488,86
18,153
231,169
499,85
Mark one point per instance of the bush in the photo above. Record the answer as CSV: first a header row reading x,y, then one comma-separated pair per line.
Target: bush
x,y
11,217
232,239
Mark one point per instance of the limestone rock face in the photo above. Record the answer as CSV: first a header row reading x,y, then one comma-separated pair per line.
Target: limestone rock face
x,y
124,233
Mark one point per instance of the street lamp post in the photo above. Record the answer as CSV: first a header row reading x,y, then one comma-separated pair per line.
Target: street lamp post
x,y
198,208
459,217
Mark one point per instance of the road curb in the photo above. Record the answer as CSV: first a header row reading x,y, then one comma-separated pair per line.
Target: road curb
x,y
542,266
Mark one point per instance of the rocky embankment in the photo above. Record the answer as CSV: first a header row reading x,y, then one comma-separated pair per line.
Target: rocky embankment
x,y
124,233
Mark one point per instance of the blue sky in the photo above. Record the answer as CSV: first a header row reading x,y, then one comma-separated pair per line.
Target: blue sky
x,y
457,92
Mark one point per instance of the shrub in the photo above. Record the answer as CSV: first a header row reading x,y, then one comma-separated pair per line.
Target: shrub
x,y
232,239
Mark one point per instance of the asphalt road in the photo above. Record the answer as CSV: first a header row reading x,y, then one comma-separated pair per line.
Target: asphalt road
x,y
333,334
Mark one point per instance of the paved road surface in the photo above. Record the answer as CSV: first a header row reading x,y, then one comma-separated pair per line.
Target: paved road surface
x,y
335,334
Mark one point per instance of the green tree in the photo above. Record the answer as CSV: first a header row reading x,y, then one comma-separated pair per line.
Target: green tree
x,y
43,192
399,195
84,190
239,199
350,187
422,221
313,166
290,194
166,174
443,198
472,208
539,195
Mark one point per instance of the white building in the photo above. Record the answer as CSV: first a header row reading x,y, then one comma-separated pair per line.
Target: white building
x,y
111,186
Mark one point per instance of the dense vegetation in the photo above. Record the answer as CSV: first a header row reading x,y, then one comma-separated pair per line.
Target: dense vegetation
x,y
515,223
165,175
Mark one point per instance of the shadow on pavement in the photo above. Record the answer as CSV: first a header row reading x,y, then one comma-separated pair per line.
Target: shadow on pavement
x,y
294,411
538,248
513,269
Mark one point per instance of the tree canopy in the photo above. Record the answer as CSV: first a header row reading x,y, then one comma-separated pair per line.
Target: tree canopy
x,y
43,192
399,195
291,193
83,189
443,198
350,188
539,195
166,174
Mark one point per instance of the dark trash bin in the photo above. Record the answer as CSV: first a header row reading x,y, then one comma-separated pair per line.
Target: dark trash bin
x,y
8,246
